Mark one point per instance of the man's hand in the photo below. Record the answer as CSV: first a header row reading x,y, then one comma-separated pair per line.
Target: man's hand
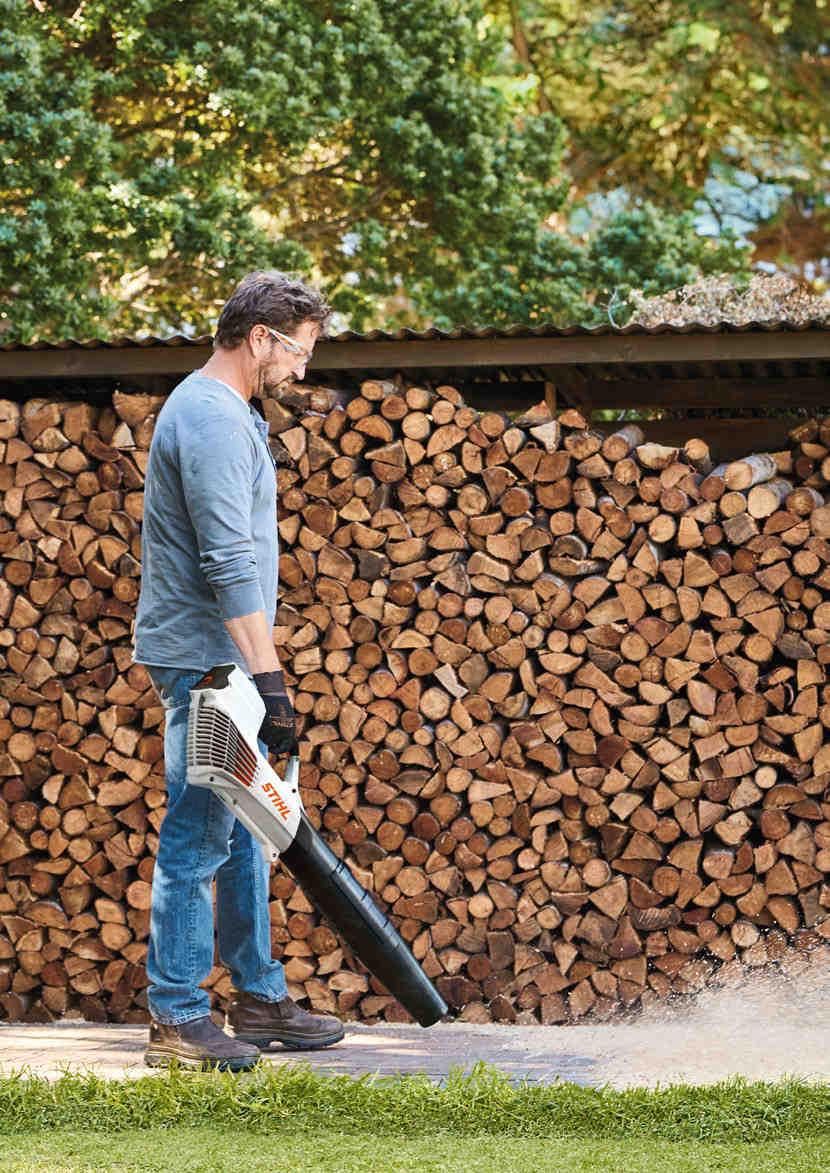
x,y
278,729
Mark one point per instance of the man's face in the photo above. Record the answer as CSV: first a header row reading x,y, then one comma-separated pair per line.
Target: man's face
x,y
275,365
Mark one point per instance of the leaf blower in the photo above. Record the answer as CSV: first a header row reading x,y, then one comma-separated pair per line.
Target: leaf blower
x,y
223,754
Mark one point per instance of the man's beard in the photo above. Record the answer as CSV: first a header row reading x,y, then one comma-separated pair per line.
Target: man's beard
x,y
269,383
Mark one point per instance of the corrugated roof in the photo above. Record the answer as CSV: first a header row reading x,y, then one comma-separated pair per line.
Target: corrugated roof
x,y
547,330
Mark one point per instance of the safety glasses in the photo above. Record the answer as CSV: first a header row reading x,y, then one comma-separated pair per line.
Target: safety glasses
x,y
289,344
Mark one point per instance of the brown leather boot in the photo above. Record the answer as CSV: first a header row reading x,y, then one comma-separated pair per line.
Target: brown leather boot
x,y
284,1022
199,1043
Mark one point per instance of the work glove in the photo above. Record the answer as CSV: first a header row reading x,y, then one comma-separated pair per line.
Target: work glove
x,y
278,729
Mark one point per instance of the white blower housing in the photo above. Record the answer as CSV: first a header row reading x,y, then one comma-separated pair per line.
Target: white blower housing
x,y
226,713
224,719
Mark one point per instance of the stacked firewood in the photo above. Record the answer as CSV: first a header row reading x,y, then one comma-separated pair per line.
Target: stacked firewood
x,y
562,697
80,737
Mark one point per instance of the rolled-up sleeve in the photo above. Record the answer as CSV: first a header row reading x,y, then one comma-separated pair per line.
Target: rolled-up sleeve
x,y
217,463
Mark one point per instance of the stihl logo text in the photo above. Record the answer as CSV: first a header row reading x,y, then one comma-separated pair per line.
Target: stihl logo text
x,y
276,800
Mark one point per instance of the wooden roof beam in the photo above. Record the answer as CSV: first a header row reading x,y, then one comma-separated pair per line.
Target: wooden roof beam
x,y
578,348
554,355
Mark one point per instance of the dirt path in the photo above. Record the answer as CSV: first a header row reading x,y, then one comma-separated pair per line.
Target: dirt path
x,y
769,1027
772,1025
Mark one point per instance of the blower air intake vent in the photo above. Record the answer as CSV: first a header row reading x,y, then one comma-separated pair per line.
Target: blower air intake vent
x,y
215,742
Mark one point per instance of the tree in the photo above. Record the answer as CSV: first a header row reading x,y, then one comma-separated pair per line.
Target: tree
x,y
660,96
155,151
555,278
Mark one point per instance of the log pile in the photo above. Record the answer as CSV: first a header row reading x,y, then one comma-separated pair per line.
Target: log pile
x,y
81,782
562,694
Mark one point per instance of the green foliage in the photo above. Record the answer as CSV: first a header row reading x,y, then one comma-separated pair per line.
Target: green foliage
x,y
650,250
156,150
55,217
689,103
558,279
654,92
483,1102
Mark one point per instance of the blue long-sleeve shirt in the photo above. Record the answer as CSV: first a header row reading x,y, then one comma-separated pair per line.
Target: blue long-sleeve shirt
x,y
209,546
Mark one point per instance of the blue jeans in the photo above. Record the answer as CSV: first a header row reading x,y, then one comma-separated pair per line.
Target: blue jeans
x,y
200,839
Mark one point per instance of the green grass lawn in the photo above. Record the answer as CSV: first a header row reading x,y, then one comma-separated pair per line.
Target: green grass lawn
x,y
215,1150
296,1120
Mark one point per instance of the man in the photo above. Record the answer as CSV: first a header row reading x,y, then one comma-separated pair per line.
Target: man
x,y
208,596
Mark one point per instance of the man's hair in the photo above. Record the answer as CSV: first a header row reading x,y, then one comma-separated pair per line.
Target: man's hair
x,y
273,299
